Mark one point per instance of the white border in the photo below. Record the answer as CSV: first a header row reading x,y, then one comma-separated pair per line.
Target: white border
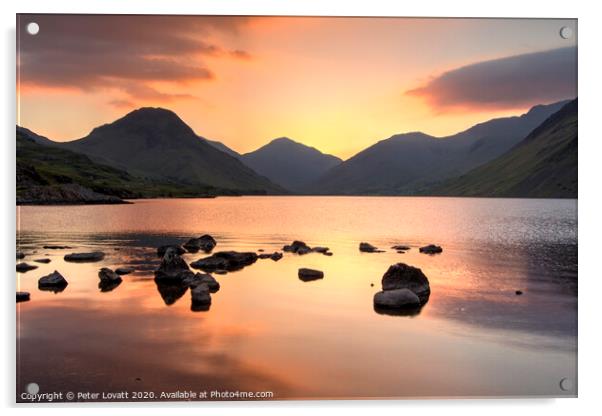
x,y
590,209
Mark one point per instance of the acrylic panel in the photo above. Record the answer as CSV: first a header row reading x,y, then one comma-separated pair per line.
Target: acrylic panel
x,y
278,207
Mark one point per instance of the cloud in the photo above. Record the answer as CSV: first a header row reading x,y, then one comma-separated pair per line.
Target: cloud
x,y
121,52
510,82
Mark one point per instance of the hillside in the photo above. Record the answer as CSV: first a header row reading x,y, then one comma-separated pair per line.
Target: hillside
x,y
408,164
156,143
543,165
289,164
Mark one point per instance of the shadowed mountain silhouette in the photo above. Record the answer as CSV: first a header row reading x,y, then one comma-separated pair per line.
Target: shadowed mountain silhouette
x,y
156,143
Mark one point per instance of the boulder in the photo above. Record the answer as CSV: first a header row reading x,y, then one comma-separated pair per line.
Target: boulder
x,y
226,260
45,261
397,298
124,270
179,250
310,274
22,296
83,257
402,276
172,266
204,243
54,280
431,249
369,248
24,267
202,279
200,296
107,275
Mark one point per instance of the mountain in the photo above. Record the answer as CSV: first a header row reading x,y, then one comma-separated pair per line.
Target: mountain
x,y
407,164
543,165
289,164
222,147
49,174
156,143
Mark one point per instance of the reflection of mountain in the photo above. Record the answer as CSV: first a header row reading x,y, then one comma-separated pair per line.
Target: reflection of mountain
x,y
156,143
406,164
542,165
289,164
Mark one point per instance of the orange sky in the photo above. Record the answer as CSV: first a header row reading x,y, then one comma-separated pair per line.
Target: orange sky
x,y
338,84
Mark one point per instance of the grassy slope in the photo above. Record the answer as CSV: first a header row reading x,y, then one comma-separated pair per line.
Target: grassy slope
x,y
49,165
543,165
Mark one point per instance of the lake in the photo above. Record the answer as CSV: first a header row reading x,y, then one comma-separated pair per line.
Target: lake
x,y
269,331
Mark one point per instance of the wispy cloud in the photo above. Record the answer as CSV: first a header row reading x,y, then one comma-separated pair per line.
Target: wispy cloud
x,y
508,82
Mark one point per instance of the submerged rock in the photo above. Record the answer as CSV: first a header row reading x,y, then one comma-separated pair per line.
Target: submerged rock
x,y
22,296
205,243
431,249
310,274
124,270
24,267
225,260
54,281
179,250
402,276
396,298
172,266
369,248
107,275
83,257
45,261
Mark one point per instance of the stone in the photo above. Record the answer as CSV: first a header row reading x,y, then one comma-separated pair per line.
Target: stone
x,y
431,249
84,257
202,279
172,266
200,296
403,276
204,243
45,261
22,296
320,249
20,255
310,274
54,280
369,248
225,260
397,298
24,267
124,270
107,275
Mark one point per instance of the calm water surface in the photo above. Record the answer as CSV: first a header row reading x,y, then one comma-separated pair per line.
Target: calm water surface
x,y
267,330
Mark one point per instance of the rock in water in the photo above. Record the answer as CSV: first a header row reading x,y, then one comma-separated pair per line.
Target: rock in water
x,y
83,257
201,297
54,280
179,250
45,261
124,270
225,260
298,247
24,267
202,279
369,248
402,276
172,266
401,248
431,249
22,296
276,256
56,247
107,275
20,255
320,249
396,298
205,243
310,274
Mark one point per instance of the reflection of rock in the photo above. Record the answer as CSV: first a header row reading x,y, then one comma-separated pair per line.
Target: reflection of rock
x,y
24,267
45,261
431,249
107,275
205,243
396,298
124,270
402,276
172,266
171,292
310,274
54,282
22,296
108,285
201,297
406,311
225,260
179,250
369,248
83,257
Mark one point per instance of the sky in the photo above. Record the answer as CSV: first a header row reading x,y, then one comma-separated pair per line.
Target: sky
x,y
337,84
